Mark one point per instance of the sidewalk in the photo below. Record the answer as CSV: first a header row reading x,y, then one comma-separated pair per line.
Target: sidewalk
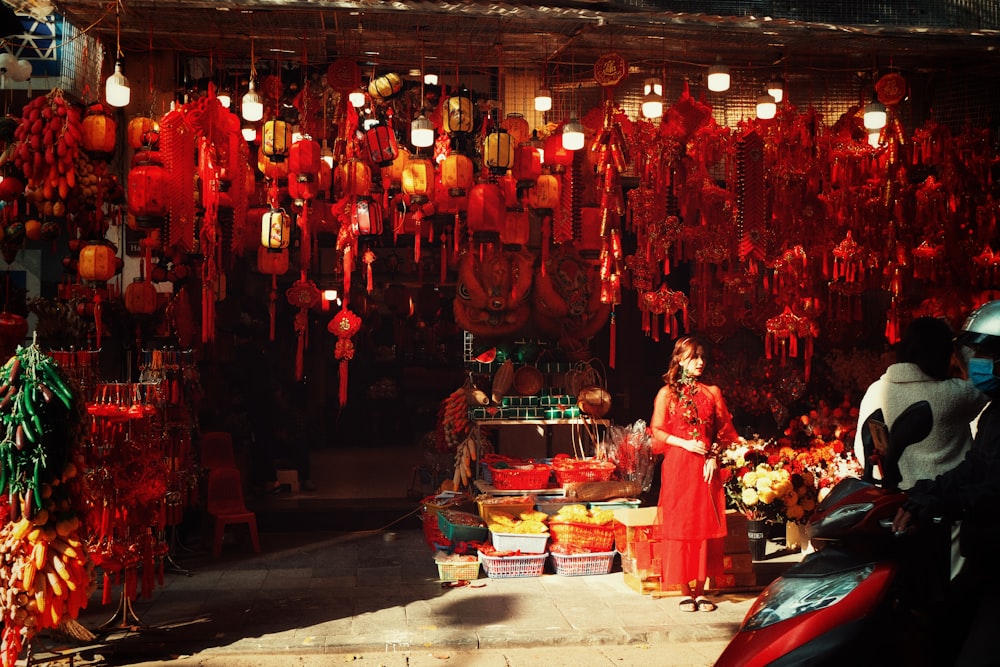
x,y
378,593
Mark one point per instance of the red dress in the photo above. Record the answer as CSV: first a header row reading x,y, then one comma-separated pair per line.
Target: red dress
x,y
692,512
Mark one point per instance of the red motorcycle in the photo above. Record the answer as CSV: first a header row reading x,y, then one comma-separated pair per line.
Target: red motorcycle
x,y
866,596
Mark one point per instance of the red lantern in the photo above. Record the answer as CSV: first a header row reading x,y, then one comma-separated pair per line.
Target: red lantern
x,y
517,125
304,157
274,170
381,143
487,211
140,131
457,174
302,187
515,228
545,194
148,190
141,297
366,217
11,188
527,165
98,262
98,131
272,262
557,157
353,178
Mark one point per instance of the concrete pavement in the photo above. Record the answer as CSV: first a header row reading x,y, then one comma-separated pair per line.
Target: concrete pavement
x,y
376,598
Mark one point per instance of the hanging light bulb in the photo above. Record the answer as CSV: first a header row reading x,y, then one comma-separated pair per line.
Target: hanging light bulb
x,y
421,132
326,154
875,116
766,107
572,135
430,79
776,89
116,89
874,138
249,133
225,99
718,77
252,104
652,100
357,98
543,99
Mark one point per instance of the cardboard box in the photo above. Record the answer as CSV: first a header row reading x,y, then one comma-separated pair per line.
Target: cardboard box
x,y
635,528
644,585
736,533
737,563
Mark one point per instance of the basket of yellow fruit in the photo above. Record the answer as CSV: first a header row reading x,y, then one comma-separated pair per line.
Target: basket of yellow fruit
x,y
524,533
581,529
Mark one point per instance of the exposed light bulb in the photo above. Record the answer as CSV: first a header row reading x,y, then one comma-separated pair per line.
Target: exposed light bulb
x,y
249,133
356,98
430,79
875,138
875,116
652,101
252,105
718,78
225,99
421,132
776,89
572,135
766,107
116,89
543,99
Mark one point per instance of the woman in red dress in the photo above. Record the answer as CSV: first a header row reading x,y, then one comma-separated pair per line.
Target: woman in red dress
x,y
690,427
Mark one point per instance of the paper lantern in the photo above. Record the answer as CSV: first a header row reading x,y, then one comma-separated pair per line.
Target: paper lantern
x,y
527,166
458,116
140,131
498,151
276,171
277,140
515,228
354,178
97,262
141,297
304,157
557,158
457,174
302,187
381,143
487,211
395,169
545,194
98,131
275,229
518,128
385,86
366,217
148,190
418,178
272,262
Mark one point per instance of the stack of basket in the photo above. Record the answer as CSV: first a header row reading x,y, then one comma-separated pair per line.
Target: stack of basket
x,y
582,540
518,538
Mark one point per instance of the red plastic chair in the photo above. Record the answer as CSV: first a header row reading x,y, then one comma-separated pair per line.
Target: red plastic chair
x,y
226,506
217,450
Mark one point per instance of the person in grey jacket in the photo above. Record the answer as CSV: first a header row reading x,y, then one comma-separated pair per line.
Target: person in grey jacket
x,y
923,372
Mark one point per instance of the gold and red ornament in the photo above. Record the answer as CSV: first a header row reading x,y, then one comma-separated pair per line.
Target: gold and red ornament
x,y
344,326
783,334
850,266
368,258
672,305
303,295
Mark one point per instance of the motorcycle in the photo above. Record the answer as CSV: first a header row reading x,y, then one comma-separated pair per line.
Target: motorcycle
x,y
865,596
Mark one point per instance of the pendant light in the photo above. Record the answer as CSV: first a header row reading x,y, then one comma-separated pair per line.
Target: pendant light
x,y
776,89
652,98
252,106
875,116
543,99
572,132
421,129
116,88
718,77
766,106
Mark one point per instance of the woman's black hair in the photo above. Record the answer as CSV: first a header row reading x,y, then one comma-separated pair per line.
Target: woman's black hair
x,y
928,342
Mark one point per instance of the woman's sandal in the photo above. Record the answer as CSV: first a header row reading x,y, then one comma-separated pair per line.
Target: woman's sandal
x,y
704,604
688,604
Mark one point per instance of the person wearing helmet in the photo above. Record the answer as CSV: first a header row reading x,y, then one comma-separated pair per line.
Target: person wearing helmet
x,y
970,492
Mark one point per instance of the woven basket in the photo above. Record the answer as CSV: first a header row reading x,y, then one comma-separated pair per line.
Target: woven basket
x,y
528,380
459,571
588,537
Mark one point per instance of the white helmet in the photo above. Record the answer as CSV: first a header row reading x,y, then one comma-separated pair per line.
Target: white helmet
x,y
982,328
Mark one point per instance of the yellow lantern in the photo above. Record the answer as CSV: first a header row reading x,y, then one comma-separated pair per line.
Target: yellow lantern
x,y
395,170
275,229
545,194
457,174
418,178
498,151
354,177
457,115
277,140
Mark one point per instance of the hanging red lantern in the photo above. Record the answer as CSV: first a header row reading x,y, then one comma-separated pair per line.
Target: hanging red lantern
x,y
141,297
140,131
394,171
366,217
11,188
275,229
381,143
527,165
98,262
302,187
13,329
304,157
515,228
457,174
518,128
98,131
353,178
277,140
557,158
272,262
276,171
324,178
487,211
148,190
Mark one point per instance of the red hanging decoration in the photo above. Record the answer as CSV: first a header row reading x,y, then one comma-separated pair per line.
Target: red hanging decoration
x,y
369,258
344,325
304,295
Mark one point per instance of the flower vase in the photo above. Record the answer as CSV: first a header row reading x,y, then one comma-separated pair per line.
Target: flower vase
x,y
794,536
757,538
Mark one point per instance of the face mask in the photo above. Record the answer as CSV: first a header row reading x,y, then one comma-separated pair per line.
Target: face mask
x,y
981,375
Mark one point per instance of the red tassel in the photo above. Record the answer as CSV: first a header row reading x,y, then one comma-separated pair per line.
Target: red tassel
x,y
444,259
299,354
416,238
348,269
343,383
613,336
370,284
106,590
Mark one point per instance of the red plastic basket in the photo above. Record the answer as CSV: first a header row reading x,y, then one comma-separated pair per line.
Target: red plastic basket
x,y
521,478
573,471
509,567
575,565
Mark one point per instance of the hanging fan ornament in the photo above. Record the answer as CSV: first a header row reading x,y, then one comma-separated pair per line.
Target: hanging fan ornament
x,y
303,295
344,325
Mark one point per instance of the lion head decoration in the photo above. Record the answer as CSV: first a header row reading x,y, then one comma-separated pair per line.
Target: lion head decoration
x,y
567,303
491,299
